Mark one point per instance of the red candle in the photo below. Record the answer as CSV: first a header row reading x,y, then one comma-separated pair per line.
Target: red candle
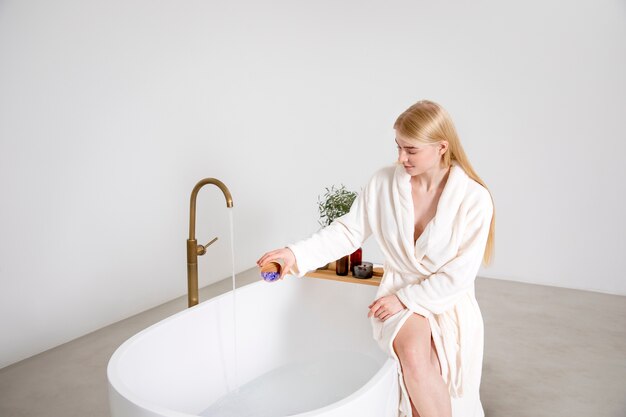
x,y
355,259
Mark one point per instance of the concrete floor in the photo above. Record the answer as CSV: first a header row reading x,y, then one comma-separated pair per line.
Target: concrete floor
x,y
548,352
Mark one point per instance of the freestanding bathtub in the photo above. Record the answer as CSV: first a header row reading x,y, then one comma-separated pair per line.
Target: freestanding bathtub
x,y
184,365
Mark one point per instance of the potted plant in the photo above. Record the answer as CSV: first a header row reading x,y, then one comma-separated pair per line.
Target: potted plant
x,y
335,202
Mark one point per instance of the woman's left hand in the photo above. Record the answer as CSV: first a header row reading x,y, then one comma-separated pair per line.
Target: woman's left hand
x,y
385,307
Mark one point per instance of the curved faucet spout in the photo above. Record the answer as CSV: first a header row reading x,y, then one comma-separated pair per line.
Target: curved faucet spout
x,y
194,195
193,249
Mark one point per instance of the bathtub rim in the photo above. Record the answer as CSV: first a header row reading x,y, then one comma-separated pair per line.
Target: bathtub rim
x,y
116,384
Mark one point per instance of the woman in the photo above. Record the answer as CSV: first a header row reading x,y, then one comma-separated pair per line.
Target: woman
x,y
434,221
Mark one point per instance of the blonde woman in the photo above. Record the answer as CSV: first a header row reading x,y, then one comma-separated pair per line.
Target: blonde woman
x,y
434,221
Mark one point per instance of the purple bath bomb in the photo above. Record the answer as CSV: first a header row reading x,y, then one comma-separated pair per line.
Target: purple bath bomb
x,y
270,276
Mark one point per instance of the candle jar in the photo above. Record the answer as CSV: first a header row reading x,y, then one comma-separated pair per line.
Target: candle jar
x,y
363,270
355,259
342,266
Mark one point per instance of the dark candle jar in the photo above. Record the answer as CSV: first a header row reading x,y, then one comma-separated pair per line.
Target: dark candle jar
x,y
341,266
355,259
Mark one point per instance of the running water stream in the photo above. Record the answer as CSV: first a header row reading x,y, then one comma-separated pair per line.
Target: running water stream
x,y
232,258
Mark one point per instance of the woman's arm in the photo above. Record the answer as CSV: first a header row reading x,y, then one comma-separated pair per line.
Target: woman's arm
x,y
342,237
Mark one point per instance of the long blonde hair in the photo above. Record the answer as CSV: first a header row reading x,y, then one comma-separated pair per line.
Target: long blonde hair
x,y
428,122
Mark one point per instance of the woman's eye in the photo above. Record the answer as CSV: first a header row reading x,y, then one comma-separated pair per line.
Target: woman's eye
x,y
411,152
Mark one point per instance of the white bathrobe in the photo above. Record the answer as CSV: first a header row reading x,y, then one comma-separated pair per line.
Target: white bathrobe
x,y
433,277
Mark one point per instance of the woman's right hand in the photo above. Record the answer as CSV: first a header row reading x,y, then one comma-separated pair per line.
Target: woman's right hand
x,y
289,259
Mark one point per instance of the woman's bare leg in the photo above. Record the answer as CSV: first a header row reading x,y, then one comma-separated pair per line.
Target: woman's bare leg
x,y
415,412
435,361
414,347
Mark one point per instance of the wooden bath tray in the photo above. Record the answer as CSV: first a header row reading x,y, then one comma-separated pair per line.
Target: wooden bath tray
x,y
330,274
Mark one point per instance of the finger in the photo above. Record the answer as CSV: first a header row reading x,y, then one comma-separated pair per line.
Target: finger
x,y
384,311
284,270
267,254
373,302
378,309
261,260
270,256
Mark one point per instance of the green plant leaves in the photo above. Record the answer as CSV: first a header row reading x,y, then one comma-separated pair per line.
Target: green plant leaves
x,y
335,203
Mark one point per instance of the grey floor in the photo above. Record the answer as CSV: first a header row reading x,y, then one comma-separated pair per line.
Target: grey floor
x,y
548,352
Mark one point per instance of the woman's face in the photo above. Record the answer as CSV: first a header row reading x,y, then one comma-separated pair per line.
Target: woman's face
x,y
418,158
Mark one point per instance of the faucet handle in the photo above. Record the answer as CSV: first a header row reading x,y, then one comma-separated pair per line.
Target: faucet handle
x,y
202,249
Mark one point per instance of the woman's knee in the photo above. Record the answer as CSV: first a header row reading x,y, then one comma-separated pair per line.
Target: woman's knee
x,y
414,365
411,349
413,344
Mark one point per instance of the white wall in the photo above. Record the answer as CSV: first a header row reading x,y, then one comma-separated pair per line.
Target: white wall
x,y
110,112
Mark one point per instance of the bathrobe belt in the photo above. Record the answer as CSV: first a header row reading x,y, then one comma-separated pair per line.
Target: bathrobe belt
x,y
446,330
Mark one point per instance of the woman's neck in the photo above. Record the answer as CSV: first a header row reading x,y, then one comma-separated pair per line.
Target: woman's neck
x,y
430,181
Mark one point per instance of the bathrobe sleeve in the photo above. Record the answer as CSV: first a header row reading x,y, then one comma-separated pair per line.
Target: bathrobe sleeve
x,y
441,291
342,237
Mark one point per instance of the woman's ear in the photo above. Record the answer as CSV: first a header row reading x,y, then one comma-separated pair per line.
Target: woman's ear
x,y
443,147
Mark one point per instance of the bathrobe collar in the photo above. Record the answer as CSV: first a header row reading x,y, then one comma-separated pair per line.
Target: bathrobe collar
x,y
447,208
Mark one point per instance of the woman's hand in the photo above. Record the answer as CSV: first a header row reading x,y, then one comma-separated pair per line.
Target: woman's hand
x,y
289,259
385,307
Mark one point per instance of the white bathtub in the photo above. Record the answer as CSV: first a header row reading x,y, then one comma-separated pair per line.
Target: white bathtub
x,y
184,364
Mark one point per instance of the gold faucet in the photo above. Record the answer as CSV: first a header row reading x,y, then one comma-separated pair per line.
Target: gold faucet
x,y
193,249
